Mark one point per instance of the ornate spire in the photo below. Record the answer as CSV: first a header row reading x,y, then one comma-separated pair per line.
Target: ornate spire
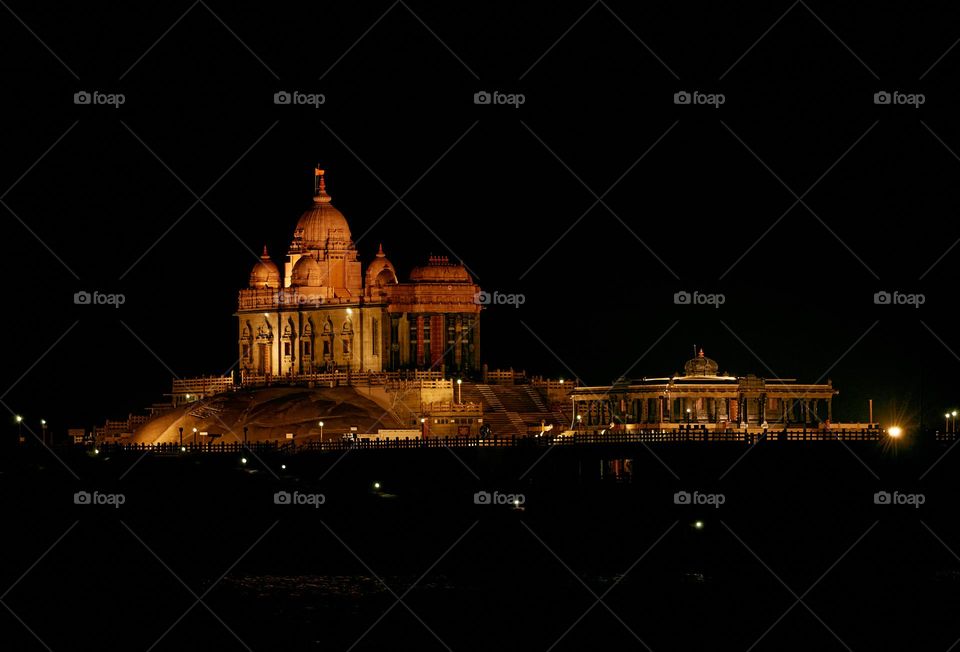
x,y
320,186
380,253
265,254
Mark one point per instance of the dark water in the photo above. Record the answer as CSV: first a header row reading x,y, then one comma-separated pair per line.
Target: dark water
x,y
418,565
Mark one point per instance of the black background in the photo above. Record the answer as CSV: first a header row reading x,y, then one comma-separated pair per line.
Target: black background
x,y
397,98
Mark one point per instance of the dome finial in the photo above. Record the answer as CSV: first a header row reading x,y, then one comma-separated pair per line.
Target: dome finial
x,y
701,352
320,185
265,254
380,253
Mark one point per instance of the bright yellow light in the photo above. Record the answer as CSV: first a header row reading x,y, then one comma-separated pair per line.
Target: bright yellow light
x,y
194,429
349,311
561,381
459,382
19,418
321,424
376,485
96,451
954,413
183,449
895,431
698,525
43,422
243,460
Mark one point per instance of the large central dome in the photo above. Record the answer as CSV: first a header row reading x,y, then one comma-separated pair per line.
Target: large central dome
x,y
322,226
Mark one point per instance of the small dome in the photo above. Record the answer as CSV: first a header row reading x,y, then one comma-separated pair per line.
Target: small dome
x,y
700,366
380,271
265,273
307,272
439,269
322,224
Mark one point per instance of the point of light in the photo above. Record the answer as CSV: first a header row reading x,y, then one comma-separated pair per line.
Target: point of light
x,y
243,460
183,449
43,422
895,431
954,413
283,466
194,429
698,525
188,397
349,311
561,381
96,451
459,381
19,418
423,420
376,485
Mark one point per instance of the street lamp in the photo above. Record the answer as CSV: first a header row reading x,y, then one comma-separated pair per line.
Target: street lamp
x,y
579,421
43,430
19,428
194,436
895,432
321,432
459,391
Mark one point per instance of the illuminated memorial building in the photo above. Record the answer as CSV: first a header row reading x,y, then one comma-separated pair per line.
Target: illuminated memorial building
x,y
703,399
325,312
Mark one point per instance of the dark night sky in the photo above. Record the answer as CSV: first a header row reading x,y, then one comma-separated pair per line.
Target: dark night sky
x,y
397,100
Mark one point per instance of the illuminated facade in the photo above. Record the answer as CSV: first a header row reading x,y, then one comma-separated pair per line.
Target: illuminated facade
x,y
325,313
702,397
